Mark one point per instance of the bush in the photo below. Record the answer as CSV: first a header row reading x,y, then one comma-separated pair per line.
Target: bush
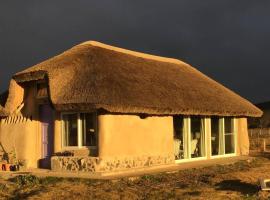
x,y
26,180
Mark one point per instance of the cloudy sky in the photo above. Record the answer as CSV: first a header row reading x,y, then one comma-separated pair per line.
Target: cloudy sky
x,y
228,40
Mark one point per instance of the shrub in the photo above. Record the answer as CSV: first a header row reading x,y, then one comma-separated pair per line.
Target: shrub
x,y
26,180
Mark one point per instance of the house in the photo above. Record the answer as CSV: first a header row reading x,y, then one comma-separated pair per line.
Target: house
x,y
99,108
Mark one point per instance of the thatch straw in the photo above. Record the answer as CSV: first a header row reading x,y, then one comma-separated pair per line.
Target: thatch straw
x,y
15,96
97,76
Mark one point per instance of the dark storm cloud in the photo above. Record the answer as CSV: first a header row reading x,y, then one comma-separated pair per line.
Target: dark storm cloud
x,y
228,40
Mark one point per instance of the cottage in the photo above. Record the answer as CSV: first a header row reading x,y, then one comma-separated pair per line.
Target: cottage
x,y
99,108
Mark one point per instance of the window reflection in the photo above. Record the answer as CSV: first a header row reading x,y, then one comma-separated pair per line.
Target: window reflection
x,y
178,124
197,142
70,129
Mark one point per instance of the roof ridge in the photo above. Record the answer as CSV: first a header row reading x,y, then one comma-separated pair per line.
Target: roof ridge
x,y
133,53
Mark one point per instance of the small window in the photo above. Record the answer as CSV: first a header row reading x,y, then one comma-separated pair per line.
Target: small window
x,y
79,129
42,90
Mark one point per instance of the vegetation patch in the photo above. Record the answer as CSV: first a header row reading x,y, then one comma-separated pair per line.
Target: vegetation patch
x,y
23,180
214,182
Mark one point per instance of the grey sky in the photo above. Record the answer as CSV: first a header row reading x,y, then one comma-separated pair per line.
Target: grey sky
x,y
227,39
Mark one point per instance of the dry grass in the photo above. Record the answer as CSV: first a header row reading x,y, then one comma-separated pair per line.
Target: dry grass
x,y
234,181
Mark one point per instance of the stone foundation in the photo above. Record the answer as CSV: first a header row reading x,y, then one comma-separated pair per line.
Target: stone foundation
x,y
95,164
69,163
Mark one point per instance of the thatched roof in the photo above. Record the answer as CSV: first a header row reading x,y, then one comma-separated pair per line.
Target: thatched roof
x,y
3,113
15,97
93,75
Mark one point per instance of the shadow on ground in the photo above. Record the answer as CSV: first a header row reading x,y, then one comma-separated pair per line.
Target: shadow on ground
x,y
265,155
18,194
238,186
193,193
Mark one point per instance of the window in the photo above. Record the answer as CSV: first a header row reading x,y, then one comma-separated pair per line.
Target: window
x,y
197,137
222,136
189,137
178,125
88,129
42,90
70,129
229,135
79,129
216,136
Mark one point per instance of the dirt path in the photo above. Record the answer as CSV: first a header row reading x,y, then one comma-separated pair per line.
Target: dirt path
x,y
234,181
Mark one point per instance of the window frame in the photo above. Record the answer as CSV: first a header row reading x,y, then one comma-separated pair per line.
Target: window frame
x,y
79,131
207,142
36,89
95,128
235,131
183,135
187,141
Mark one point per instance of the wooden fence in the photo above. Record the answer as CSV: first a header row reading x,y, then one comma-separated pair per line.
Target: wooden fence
x,y
259,139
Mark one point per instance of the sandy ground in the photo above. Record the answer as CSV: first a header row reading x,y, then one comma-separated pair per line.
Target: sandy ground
x,y
232,181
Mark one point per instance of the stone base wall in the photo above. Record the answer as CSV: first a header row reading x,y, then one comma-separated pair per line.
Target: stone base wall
x,y
117,164
70,163
95,164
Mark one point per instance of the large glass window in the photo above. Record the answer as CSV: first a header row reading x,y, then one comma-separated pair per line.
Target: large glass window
x,y
79,129
189,137
222,136
70,129
178,125
197,139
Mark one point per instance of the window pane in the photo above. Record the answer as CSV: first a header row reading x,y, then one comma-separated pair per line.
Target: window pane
x,y
89,129
42,90
70,130
228,125
178,124
229,144
229,136
217,143
197,142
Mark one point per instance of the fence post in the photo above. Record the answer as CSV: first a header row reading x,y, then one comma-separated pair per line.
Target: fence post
x,y
258,140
